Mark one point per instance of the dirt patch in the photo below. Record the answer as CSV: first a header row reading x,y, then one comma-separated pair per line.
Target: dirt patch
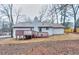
x,y
56,48
67,44
66,47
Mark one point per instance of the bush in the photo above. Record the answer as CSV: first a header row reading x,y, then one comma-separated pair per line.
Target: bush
x,y
68,30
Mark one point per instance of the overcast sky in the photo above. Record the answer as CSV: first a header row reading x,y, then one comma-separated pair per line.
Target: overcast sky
x,y
30,9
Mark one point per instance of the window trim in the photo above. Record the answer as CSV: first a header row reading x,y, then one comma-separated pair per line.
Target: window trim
x,y
47,28
40,29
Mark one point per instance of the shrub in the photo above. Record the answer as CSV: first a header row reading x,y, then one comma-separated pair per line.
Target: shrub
x,y
68,30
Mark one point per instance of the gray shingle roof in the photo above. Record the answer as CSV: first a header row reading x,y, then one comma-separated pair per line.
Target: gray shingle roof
x,y
57,25
52,25
24,24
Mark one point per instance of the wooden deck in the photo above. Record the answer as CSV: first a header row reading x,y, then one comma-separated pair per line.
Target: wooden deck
x,y
30,34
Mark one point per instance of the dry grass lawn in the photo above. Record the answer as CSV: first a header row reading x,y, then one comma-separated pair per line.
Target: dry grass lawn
x,y
67,44
70,36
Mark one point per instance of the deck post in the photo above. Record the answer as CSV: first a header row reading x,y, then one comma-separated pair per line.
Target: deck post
x,y
31,36
16,37
23,37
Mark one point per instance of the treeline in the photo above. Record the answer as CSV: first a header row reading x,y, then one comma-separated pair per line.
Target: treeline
x,y
61,13
52,13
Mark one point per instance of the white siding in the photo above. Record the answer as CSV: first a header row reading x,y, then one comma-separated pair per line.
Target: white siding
x,y
14,30
36,29
58,31
50,31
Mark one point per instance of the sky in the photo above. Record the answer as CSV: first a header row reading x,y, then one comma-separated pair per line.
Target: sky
x,y
31,10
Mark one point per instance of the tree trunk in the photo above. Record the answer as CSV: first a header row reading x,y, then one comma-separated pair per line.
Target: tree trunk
x,y
52,19
11,32
64,15
61,18
57,18
64,20
74,22
11,29
75,27
11,18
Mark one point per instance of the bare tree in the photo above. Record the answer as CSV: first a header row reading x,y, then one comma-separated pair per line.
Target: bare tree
x,y
43,12
56,11
18,15
75,9
63,12
51,13
3,25
6,10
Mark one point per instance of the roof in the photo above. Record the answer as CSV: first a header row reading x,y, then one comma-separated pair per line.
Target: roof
x,y
52,25
25,24
57,25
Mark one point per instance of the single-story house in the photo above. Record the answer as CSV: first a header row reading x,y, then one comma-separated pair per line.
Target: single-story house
x,y
36,29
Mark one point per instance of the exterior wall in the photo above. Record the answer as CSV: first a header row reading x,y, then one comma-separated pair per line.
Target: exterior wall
x,y
42,34
58,30
14,30
50,31
36,29
28,32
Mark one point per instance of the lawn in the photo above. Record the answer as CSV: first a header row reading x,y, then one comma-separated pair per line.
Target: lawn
x,y
67,44
70,36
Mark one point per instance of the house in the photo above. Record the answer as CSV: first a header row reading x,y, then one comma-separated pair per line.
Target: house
x,y
36,29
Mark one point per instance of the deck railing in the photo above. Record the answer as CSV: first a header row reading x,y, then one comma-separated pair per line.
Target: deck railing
x,y
33,34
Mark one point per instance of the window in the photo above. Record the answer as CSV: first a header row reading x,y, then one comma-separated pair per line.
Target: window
x,y
40,30
47,28
31,29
